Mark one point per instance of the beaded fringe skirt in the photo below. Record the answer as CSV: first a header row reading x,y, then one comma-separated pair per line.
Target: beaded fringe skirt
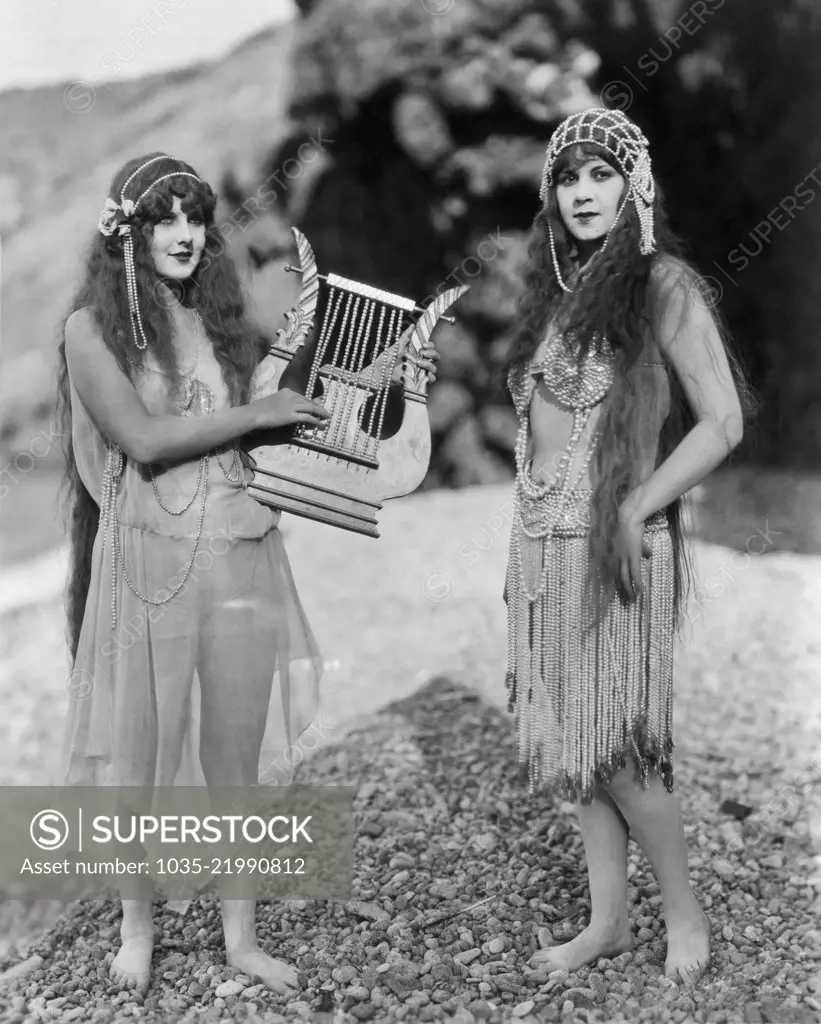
x,y
587,697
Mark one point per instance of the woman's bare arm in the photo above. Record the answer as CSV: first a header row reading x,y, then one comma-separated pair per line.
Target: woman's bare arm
x,y
687,333
120,415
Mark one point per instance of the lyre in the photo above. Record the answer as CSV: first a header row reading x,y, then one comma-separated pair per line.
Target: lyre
x,y
341,472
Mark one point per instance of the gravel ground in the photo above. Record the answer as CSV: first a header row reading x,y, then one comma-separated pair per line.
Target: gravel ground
x,y
443,816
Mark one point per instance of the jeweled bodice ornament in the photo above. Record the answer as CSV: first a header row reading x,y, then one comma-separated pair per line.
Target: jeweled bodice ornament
x,y
580,384
197,397
577,384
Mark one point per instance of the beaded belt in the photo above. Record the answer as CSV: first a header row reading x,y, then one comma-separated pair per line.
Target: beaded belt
x,y
576,516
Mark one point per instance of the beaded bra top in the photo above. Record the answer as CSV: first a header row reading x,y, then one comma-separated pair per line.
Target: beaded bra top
x,y
579,384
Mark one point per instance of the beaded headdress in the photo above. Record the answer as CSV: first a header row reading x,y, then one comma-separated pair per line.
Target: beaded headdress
x,y
614,132
118,216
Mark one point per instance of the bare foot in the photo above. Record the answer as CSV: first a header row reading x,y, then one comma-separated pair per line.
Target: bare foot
x,y
276,974
588,946
688,949
132,965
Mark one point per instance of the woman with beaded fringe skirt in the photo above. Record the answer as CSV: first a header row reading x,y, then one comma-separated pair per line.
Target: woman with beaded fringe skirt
x,y
585,694
627,395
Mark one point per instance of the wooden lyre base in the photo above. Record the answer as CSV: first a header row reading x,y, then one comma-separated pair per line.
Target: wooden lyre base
x,y
314,502
341,473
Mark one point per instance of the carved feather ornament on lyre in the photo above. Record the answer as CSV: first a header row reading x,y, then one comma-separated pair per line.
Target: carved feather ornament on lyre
x,y
372,447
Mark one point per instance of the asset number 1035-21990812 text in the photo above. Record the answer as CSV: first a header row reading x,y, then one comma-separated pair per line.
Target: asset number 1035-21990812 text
x,y
230,866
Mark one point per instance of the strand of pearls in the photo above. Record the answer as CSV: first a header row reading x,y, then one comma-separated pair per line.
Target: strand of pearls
x,y
108,513
546,504
179,511
188,565
234,474
140,339
646,227
110,525
194,386
555,260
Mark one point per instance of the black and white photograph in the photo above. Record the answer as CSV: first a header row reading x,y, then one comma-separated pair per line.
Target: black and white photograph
x,y
410,511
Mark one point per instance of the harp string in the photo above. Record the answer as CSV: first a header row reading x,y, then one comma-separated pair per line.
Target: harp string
x,y
394,327
345,372
372,305
333,376
329,319
363,432
357,363
331,313
344,390
375,389
330,371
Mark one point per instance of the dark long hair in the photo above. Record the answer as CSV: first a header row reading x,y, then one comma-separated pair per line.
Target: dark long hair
x,y
214,290
620,297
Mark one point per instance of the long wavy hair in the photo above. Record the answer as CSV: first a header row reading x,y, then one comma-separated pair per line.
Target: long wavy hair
x,y
617,297
214,290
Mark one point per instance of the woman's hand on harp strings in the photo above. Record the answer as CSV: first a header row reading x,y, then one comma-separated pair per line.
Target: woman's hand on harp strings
x,y
288,408
426,357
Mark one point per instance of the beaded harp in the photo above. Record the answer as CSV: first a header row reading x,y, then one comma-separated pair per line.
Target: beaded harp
x,y
376,443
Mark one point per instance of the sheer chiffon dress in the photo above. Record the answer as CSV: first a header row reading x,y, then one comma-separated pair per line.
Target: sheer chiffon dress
x,y
229,664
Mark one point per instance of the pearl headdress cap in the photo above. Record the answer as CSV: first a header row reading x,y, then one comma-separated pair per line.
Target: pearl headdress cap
x,y
625,142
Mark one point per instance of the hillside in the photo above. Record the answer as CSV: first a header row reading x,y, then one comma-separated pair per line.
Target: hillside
x,y
223,116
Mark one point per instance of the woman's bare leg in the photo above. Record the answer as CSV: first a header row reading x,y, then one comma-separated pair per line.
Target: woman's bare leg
x,y
235,676
132,964
605,833
654,816
243,952
147,757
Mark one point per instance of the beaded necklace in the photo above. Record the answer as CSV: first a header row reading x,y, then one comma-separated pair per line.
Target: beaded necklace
x,y
193,387
581,386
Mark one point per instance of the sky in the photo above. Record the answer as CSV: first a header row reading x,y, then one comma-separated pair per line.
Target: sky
x,y
49,41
